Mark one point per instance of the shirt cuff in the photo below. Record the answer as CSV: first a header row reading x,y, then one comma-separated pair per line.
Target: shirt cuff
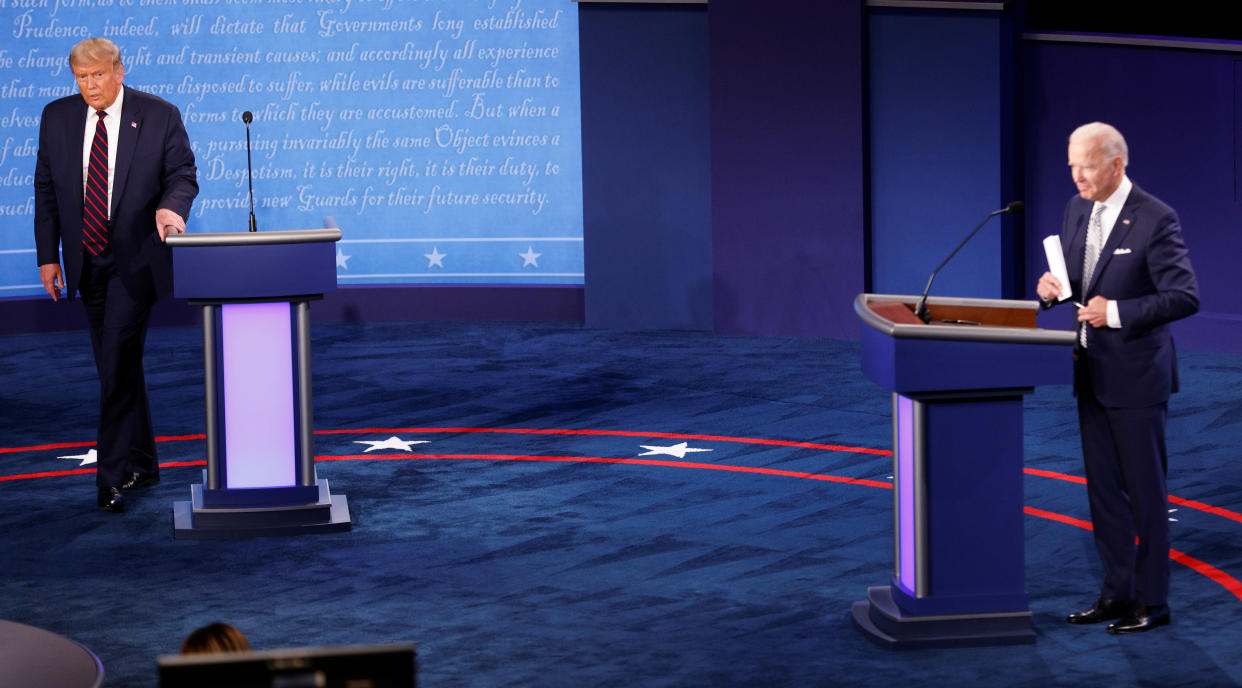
x,y
1114,318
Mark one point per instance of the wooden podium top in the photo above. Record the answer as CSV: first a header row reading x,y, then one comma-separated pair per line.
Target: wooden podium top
x,y
958,319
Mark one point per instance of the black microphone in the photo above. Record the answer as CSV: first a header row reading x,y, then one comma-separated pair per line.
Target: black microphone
x,y
248,118
921,309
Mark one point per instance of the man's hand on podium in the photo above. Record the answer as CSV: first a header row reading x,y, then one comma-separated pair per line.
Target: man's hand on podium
x,y
167,222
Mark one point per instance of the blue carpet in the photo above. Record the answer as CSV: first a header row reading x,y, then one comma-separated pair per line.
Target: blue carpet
x,y
581,571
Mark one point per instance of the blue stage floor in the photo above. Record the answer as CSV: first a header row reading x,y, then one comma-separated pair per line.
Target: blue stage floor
x,y
549,505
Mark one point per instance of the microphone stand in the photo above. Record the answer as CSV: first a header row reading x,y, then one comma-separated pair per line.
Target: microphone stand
x,y
921,309
247,118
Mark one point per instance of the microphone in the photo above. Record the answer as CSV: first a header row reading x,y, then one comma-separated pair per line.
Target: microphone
x,y
921,309
248,118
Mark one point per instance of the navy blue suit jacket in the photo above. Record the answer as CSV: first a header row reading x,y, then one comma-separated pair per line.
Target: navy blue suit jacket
x,y
1145,267
154,169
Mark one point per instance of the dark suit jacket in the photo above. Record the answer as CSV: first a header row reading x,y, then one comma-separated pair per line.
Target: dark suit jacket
x,y
1145,267
154,169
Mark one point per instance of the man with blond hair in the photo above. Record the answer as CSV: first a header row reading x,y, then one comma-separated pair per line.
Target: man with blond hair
x,y
115,175
1130,271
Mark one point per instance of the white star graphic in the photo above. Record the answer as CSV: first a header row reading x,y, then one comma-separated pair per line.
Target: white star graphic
x,y
341,259
678,450
88,457
530,258
435,259
393,442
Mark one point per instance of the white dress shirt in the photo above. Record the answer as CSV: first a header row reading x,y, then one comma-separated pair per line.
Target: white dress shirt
x,y
1112,209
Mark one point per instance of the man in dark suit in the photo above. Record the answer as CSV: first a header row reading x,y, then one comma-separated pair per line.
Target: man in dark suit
x,y
1129,269
115,175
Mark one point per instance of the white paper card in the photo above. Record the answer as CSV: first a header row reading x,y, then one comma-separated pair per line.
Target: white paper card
x,y
1056,264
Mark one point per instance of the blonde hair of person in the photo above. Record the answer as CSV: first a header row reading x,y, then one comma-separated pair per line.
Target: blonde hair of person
x,y
93,50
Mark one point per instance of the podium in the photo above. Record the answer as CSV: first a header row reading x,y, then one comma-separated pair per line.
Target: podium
x,y
255,290
957,386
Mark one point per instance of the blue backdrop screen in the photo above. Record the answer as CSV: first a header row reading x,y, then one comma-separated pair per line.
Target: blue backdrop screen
x,y
442,136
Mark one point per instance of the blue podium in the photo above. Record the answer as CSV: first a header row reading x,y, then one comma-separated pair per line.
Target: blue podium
x,y
957,386
255,290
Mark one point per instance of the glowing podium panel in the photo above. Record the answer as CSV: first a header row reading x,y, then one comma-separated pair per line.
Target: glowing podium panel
x,y
255,290
957,384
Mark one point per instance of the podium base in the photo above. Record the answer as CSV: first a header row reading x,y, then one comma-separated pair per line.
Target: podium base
x,y
883,622
193,520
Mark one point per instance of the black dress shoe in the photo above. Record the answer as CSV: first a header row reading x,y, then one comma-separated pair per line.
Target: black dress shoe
x,y
1102,610
136,481
1142,618
110,499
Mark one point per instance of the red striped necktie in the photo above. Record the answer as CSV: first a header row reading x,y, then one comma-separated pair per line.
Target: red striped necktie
x,y
95,207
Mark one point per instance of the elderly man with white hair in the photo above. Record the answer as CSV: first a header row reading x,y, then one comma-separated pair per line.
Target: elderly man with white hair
x,y
1130,276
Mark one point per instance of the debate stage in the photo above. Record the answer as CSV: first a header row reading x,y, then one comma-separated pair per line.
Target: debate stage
x,y
546,504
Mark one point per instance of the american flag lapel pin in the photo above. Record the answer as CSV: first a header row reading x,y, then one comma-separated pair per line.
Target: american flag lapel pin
x,y
135,126
1124,222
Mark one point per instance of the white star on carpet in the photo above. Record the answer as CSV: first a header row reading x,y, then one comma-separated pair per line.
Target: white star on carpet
x,y
342,259
88,457
435,259
393,442
530,258
678,450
